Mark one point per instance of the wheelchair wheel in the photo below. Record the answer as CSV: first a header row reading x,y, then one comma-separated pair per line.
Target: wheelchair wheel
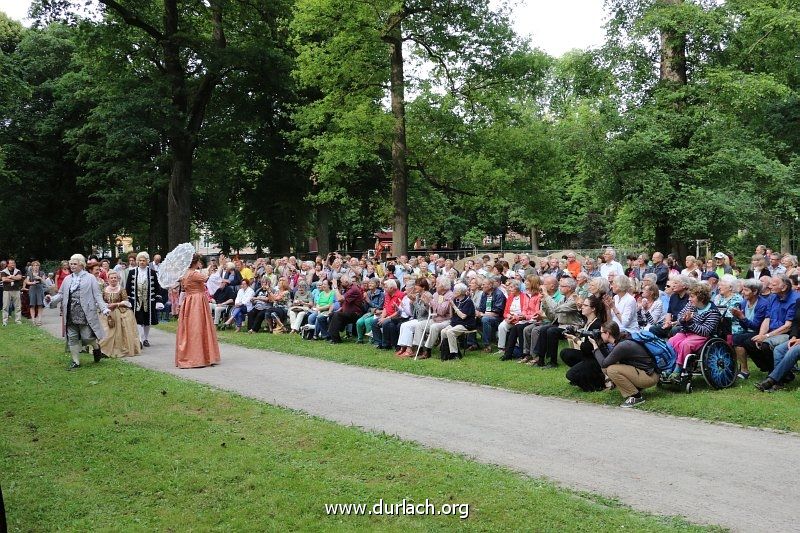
x,y
718,364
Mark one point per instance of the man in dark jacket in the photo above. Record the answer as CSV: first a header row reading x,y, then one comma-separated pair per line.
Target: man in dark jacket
x,y
490,312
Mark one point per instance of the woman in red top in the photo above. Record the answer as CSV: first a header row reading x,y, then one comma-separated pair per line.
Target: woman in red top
x,y
531,307
62,273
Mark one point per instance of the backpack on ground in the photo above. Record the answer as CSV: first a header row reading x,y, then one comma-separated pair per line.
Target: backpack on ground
x,y
659,349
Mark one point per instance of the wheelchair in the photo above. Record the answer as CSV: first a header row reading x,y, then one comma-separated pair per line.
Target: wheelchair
x,y
715,361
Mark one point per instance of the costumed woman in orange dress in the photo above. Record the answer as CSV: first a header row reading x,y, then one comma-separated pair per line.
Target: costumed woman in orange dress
x,y
196,343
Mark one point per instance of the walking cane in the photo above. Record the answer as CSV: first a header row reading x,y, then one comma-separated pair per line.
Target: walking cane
x,y
427,324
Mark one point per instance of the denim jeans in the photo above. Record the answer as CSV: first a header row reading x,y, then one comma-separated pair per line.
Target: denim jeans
x,y
489,325
785,359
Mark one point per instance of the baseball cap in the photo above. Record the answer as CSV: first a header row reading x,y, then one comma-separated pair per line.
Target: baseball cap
x,y
720,255
710,274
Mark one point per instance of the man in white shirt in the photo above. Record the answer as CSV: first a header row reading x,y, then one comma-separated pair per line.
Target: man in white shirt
x,y
610,264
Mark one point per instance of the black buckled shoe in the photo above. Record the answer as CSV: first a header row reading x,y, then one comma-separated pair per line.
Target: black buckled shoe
x,y
98,355
73,366
766,385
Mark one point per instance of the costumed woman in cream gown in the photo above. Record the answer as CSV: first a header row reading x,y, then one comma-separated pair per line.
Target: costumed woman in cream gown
x,y
122,337
196,343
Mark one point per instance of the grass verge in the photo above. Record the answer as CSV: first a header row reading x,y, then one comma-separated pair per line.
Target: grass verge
x,y
740,404
116,447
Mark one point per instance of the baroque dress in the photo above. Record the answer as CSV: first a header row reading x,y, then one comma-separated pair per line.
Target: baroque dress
x,y
196,342
122,339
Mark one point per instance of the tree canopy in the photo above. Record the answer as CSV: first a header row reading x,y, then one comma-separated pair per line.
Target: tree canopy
x,y
267,123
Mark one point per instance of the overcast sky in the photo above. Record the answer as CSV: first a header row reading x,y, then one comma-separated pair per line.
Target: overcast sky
x,y
555,26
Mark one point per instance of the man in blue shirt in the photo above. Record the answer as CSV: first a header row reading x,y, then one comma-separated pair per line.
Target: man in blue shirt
x,y
775,327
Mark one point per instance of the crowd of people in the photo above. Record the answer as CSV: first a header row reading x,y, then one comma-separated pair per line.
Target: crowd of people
x,y
523,310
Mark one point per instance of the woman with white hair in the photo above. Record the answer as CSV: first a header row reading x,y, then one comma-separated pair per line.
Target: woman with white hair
x,y
80,303
728,295
462,320
419,300
622,307
144,294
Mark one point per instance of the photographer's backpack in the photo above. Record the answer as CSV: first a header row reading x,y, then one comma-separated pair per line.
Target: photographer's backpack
x,y
662,352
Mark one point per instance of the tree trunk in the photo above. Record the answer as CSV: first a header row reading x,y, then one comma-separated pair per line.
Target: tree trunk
x,y
673,52
179,196
534,239
399,147
786,238
323,230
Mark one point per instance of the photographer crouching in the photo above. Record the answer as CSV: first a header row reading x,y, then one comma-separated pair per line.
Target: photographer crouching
x,y
585,371
626,363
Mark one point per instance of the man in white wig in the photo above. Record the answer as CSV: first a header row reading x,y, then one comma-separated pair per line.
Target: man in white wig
x,y
144,294
81,301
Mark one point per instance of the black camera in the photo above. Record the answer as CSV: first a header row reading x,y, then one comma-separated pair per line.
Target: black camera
x,y
570,330
591,334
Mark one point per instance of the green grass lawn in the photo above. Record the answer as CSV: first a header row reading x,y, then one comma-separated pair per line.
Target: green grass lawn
x,y
741,404
116,447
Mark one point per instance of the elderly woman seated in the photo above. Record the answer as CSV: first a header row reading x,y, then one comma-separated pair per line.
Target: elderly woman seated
x,y
440,317
301,305
698,321
522,310
622,307
747,319
462,320
650,307
242,305
416,305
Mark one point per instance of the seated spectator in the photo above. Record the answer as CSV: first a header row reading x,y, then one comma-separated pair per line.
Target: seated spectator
x,y
512,312
573,266
530,314
622,307
679,286
490,312
692,268
301,305
785,358
349,312
628,365
747,319
728,296
242,305
585,371
698,321
530,334
420,301
280,300
386,329
590,266
564,314
374,304
781,308
582,290
440,319
649,308
261,306
462,319
323,305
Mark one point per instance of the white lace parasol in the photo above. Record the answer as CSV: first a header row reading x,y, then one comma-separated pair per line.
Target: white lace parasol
x,y
175,265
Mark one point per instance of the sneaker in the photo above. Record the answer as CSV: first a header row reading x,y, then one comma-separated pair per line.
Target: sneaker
x,y
632,401
743,375
146,343
73,366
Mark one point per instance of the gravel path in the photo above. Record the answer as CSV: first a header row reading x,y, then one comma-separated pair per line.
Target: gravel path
x,y
709,473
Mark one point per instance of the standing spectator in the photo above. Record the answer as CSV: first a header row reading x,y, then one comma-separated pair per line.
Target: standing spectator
x,y
758,267
775,266
722,264
62,273
11,278
661,270
34,282
573,265
610,264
